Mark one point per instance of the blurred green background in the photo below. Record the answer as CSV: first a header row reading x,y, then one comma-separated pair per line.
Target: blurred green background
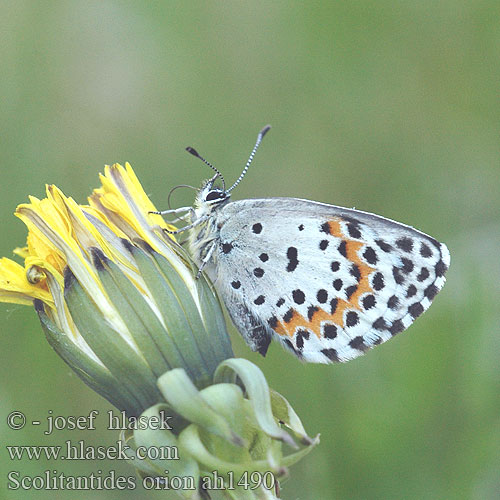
x,y
388,106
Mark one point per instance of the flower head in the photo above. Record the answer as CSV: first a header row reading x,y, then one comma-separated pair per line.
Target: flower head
x,y
124,307
115,294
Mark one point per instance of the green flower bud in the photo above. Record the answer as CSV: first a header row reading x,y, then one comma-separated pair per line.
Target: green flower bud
x,y
228,437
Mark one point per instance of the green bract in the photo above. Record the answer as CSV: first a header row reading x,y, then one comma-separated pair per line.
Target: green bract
x,y
119,302
229,430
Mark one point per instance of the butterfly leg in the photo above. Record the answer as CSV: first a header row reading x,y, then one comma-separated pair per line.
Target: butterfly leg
x,y
206,259
173,211
181,218
187,228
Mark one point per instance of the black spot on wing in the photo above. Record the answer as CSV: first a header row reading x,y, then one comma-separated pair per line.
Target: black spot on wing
x,y
396,327
259,300
440,268
350,290
337,284
370,256
393,302
384,246
378,282
431,291
331,354
301,335
342,249
311,310
325,228
416,309
292,255
227,247
258,272
322,296
358,343
398,277
288,316
369,301
354,271
298,296
380,324
333,305
423,275
425,251
353,230
330,331
257,228
408,265
299,341
335,266
351,319
272,322
405,244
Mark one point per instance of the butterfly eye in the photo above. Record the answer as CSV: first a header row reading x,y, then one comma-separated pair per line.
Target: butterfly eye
x,y
215,195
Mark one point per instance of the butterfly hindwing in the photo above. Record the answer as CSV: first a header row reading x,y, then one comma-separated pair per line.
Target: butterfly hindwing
x,y
329,283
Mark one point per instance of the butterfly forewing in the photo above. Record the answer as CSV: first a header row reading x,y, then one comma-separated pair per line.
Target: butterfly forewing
x,y
328,282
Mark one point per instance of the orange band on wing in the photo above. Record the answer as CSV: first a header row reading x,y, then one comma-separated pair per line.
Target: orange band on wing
x,y
363,286
352,248
334,228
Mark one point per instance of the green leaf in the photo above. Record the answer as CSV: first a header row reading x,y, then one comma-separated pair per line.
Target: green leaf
x,y
116,353
258,393
175,315
213,318
284,412
184,295
293,458
121,294
94,374
190,440
165,440
183,396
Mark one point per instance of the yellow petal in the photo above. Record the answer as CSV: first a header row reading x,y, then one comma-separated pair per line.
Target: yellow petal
x,y
39,246
15,288
21,252
88,235
122,194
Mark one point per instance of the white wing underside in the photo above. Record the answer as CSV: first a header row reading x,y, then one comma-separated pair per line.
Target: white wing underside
x,y
325,281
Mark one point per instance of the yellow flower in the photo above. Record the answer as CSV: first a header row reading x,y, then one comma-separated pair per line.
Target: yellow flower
x,y
119,302
61,233
114,292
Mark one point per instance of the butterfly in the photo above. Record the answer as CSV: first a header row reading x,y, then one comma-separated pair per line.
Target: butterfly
x,y
328,283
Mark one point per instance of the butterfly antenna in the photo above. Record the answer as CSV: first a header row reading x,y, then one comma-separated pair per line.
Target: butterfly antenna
x,y
261,135
193,151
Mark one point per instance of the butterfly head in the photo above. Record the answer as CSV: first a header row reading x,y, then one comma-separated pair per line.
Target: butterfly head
x,y
211,195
